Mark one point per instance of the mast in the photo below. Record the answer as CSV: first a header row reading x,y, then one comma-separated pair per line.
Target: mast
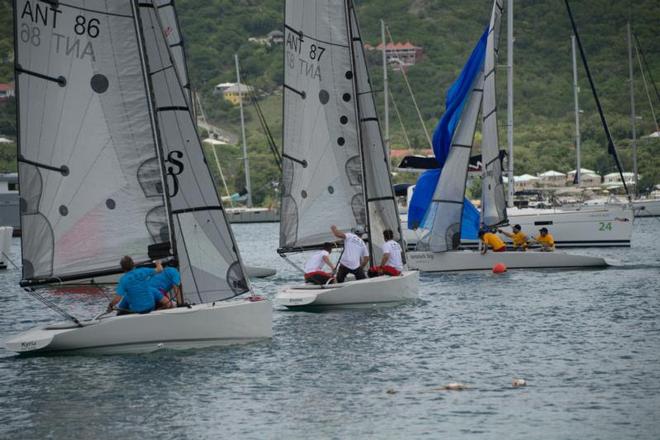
x,y
576,91
509,90
385,91
632,111
246,163
349,8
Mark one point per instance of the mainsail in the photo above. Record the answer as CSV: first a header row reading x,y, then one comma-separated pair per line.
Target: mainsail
x,y
382,211
322,180
493,205
90,181
209,262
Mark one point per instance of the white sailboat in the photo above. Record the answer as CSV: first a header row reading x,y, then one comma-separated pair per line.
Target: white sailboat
x,y
113,168
438,249
335,170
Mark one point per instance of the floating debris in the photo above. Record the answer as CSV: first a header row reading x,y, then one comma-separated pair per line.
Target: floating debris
x,y
516,383
453,386
391,391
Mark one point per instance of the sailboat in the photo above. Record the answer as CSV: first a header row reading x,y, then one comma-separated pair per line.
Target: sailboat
x,y
110,164
335,170
472,91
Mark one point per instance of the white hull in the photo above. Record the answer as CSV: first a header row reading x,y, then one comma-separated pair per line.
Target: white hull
x,y
225,323
454,261
252,215
252,272
610,225
360,293
646,207
5,245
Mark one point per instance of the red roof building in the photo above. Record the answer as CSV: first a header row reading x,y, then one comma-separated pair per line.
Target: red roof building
x,y
6,91
400,55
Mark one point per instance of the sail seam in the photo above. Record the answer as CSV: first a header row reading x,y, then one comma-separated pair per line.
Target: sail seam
x,y
80,8
162,69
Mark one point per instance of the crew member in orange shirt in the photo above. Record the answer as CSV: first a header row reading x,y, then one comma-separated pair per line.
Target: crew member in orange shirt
x,y
491,240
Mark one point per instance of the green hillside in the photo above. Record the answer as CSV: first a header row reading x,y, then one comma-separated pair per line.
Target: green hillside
x,y
447,30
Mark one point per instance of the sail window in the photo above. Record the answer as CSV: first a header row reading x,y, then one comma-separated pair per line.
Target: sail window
x,y
343,120
303,194
346,97
64,211
324,97
341,141
110,204
99,83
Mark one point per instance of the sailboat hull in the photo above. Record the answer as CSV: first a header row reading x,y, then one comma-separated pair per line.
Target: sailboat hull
x,y
225,323
473,260
351,294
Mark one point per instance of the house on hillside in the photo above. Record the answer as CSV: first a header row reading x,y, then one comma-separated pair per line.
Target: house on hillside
x,y
613,180
6,91
588,178
399,55
273,37
233,92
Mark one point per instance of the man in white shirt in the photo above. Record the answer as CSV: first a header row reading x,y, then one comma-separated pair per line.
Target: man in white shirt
x,y
391,264
354,258
314,266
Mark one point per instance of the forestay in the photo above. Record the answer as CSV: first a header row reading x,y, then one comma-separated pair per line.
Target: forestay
x,y
381,204
90,182
322,170
172,30
209,262
493,192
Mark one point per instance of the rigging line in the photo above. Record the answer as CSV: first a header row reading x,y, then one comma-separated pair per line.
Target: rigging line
x,y
646,88
611,147
398,115
646,64
51,305
412,95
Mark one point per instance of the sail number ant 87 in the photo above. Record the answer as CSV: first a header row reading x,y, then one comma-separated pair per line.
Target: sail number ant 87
x,y
306,59
39,22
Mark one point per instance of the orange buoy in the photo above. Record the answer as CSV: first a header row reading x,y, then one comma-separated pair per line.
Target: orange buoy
x,y
499,268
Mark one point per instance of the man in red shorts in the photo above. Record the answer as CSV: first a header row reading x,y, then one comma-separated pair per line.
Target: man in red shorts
x,y
314,266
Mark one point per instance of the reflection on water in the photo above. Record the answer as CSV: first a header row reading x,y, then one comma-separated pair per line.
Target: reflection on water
x,y
587,342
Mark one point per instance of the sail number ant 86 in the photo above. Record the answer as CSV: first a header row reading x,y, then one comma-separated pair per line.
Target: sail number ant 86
x,y
37,17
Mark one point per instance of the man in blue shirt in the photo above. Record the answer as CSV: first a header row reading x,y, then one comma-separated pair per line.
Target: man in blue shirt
x,y
134,291
168,280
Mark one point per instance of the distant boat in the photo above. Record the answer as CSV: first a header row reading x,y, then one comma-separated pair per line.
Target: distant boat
x,y
104,175
335,170
473,91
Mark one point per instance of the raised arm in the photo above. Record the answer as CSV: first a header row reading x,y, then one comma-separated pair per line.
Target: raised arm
x,y
337,233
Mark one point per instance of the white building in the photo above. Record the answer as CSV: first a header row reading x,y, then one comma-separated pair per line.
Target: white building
x,y
552,178
613,180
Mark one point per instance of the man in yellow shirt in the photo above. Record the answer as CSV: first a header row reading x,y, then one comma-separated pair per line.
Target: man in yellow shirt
x,y
546,240
518,237
491,240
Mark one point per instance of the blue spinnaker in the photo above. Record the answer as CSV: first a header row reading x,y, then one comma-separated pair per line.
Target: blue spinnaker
x,y
443,134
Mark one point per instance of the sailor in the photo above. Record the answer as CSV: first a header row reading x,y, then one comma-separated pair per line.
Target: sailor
x,y
354,257
314,266
546,240
168,282
491,240
391,264
518,237
134,292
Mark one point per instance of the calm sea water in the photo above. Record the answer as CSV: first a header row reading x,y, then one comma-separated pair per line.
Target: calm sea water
x,y
587,342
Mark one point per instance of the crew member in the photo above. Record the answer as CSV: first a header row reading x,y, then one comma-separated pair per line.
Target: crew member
x,y
314,266
134,293
491,240
518,237
168,282
546,240
391,264
354,257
